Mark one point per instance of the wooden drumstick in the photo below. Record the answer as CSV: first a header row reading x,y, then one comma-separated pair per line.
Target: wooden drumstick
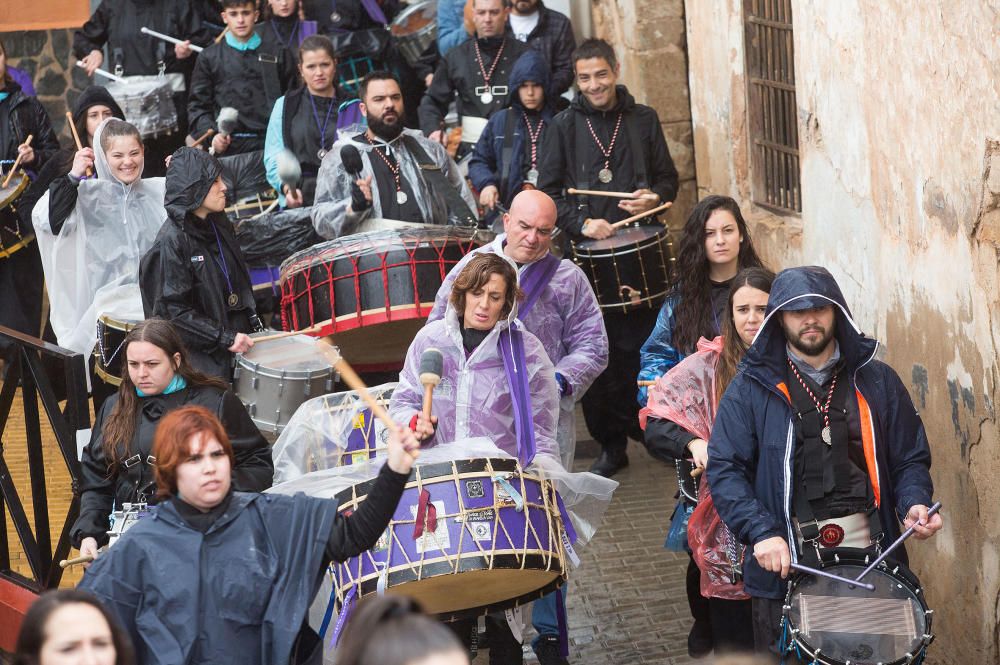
x,y
431,366
617,195
76,138
646,384
17,162
198,141
697,471
287,333
222,34
635,218
355,383
85,558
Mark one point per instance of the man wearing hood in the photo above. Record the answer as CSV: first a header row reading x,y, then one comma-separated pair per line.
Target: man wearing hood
x,y
548,32
195,275
391,184
505,159
606,141
477,72
816,444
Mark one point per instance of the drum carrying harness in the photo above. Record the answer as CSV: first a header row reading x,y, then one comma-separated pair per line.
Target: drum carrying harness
x,y
437,182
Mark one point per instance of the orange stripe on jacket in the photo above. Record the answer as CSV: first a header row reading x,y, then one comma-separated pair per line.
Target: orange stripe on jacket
x,y
867,438
784,391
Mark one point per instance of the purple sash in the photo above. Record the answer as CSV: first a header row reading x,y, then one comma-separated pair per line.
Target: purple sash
x,y
306,29
374,11
533,281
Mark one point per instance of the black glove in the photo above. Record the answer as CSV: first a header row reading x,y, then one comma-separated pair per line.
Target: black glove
x,y
358,200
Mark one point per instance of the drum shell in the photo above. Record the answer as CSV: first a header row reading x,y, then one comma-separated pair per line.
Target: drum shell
x,y
148,103
495,557
125,519
630,270
413,43
10,241
111,333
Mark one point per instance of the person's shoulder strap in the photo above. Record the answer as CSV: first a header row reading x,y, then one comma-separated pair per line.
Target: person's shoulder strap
x,y
438,182
508,146
637,149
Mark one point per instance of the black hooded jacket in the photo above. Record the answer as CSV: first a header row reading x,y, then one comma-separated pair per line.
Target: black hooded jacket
x,y
181,277
571,158
20,116
62,190
553,38
103,488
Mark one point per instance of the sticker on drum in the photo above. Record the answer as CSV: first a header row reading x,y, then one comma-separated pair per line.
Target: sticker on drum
x,y
630,269
275,377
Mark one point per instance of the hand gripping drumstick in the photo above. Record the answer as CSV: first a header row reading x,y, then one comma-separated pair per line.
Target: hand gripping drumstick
x,y
66,563
76,138
355,383
201,139
431,366
167,38
899,541
617,195
635,218
289,333
17,162
102,72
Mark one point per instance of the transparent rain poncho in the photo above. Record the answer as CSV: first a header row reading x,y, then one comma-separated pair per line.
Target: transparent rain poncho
x,y
686,397
92,265
331,215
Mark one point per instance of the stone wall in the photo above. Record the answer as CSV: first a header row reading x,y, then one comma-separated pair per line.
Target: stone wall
x,y
649,39
45,54
900,147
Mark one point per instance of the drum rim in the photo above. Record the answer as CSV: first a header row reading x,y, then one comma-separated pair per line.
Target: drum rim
x,y
412,9
17,190
612,251
122,325
269,372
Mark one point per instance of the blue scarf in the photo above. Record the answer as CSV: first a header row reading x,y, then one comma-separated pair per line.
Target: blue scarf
x,y
4,95
176,383
249,45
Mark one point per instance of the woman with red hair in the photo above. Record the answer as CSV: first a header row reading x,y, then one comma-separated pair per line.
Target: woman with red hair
x,y
220,576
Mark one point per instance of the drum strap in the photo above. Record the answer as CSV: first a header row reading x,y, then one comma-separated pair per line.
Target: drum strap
x,y
438,183
581,138
269,76
638,154
507,153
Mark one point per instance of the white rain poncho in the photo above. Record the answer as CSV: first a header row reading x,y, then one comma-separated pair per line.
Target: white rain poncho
x,y
92,265
330,212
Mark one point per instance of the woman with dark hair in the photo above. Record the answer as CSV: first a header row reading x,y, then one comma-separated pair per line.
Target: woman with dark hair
x,y
678,424
715,244
118,464
21,279
284,20
70,626
304,122
393,630
219,576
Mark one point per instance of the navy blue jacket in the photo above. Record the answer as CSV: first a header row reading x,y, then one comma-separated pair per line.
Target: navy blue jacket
x,y
486,165
751,451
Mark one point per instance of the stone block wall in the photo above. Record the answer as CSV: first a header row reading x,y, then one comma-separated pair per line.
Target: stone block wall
x,y
650,41
46,56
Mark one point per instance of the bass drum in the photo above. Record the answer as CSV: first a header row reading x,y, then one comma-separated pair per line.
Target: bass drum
x,y
629,270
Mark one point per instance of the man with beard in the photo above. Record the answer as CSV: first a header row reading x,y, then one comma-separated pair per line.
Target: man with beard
x,y
606,141
550,33
391,183
477,72
816,444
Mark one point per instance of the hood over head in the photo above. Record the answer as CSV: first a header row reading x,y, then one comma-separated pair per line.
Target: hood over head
x,y
94,95
189,177
796,289
101,163
530,66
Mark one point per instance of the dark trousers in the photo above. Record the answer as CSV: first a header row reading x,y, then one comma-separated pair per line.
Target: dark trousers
x,y
766,625
610,407
732,625
504,649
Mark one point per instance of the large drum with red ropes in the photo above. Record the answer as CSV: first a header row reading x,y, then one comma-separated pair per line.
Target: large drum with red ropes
x,y
372,291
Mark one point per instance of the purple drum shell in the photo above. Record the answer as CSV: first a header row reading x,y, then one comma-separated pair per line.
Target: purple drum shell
x,y
495,557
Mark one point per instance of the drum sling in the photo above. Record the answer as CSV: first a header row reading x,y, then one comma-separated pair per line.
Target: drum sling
x,y
507,152
438,183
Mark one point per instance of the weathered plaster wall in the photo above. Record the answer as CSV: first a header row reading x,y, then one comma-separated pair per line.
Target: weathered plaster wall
x,y
649,39
900,145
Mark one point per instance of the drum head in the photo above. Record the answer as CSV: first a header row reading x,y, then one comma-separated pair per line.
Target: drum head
x,y
628,236
14,189
291,354
853,624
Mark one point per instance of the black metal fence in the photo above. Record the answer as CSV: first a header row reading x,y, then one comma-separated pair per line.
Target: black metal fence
x,y
46,375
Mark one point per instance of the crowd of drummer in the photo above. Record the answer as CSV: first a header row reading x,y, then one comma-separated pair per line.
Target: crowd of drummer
x,y
376,146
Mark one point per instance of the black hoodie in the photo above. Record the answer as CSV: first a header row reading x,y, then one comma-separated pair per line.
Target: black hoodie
x,y
182,278
568,152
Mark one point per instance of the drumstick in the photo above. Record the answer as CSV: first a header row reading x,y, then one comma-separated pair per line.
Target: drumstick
x,y
17,162
85,558
830,576
222,34
287,333
198,141
899,541
646,384
76,137
635,218
617,195
102,72
355,383
167,38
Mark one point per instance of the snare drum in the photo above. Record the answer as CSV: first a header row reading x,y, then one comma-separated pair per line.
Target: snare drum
x,y
372,291
415,28
108,359
834,623
148,102
631,269
11,238
275,377
468,537
126,518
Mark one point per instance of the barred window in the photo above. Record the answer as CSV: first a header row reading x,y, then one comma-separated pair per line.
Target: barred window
x,y
773,124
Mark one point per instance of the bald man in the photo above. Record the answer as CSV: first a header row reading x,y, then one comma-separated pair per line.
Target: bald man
x,y
560,309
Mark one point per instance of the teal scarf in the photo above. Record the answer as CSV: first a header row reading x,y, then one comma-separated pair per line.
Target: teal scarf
x,y
177,383
249,45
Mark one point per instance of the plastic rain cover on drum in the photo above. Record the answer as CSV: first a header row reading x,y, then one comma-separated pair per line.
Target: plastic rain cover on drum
x,y
98,248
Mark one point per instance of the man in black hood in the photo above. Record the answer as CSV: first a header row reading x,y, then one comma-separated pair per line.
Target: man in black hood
x,y
195,275
606,141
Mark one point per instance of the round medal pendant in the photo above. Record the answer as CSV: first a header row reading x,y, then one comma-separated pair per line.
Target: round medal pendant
x,y
825,435
486,97
533,176
233,300
321,153
334,17
401,197
605,175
